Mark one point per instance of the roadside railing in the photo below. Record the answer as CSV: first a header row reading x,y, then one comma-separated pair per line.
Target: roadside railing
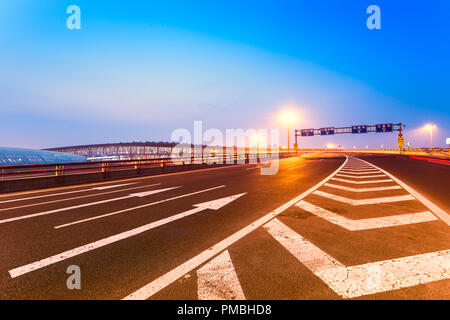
x,y
430,152
61,169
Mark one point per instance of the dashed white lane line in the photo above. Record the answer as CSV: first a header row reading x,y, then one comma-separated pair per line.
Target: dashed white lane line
x,y
361,189
362,182
163,281
136,208
361,202
365,224
360,177
427,203
33,215
76,198
217,280
365,279
212,205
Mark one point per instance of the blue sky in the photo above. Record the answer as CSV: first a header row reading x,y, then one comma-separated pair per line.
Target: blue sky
x,y
138,70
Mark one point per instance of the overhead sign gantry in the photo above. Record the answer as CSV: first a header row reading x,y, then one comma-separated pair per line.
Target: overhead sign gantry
x,y
356,129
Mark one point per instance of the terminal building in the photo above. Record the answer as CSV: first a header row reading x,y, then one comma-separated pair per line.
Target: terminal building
x,y
17,156
121,151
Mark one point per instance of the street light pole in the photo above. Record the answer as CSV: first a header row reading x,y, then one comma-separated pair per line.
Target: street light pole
x,y
430,127
431,138
288,137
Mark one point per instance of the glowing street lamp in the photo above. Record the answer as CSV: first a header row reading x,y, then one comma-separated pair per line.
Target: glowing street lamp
x,y
430,127
287,117
257,138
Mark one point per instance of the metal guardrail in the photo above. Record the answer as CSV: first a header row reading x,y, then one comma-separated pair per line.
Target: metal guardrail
x,y
430,152
61,169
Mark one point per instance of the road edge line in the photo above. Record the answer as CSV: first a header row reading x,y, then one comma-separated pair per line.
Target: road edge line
x,y
441,214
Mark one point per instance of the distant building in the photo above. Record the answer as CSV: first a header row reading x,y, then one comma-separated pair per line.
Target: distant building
x,y
121,151
16,156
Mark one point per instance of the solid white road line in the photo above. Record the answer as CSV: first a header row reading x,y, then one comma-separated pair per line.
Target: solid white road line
x,y
33,215
217,280
365,224
361,177
296,167
113,186
361,202
427,203
211,205
52,195
362,182
361,189
135,208
56,189
163,281
75,198
365,279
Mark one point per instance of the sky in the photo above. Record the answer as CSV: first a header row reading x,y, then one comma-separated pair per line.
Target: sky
x,y
136,70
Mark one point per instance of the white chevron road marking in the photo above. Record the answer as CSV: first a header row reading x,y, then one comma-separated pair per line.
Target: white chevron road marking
x,y
444,216
361,202
360,177
364,279
361,189
359,173
365,224
359,170
362,182
217,280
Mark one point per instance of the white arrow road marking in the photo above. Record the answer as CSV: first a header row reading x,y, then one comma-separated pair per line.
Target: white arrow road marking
x,y
361,189
163,281
80,206
134,208
427,203
217,280
63,193
361,177
364,279
211,205
363,201
365,224
80,197
362,182
113,186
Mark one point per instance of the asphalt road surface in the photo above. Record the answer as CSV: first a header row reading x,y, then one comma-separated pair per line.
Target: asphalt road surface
x,y
373,227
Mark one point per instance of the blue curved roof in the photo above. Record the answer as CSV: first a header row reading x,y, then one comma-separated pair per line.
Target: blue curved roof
x,y
16,156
